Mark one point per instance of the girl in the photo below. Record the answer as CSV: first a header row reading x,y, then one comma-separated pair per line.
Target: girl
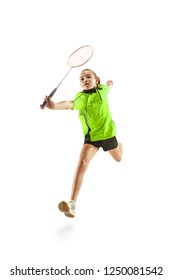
x,y
98,129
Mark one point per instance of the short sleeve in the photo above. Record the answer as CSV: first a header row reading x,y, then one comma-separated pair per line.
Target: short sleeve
x,y
79,101
104,89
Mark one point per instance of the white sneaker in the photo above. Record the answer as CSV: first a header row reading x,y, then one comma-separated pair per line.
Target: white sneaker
x,y
68,208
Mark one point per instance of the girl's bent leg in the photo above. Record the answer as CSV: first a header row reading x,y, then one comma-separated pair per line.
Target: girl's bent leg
x,y
117,152
87,153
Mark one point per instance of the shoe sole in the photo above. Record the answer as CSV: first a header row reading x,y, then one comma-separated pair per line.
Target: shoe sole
x,y
70,215
63,207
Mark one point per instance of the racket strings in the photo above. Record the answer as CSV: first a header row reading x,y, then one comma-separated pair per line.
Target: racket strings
x,y
80,56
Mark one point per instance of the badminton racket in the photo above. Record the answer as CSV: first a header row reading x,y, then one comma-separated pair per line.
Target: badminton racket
x,y
78,58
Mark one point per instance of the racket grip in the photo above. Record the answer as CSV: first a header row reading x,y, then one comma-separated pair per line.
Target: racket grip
x,y
43,105
50,96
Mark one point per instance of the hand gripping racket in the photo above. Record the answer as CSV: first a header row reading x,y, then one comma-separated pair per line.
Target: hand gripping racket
x,y
77,58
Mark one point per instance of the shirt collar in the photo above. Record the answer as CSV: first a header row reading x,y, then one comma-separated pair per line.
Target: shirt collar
x,y
93,90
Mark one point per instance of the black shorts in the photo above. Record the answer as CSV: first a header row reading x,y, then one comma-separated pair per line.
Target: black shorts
x,y
107,144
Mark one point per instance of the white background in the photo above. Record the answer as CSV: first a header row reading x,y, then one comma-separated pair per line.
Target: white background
x,y
124,210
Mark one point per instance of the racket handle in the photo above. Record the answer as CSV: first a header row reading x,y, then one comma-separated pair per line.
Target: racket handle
x,y
50,96
43,105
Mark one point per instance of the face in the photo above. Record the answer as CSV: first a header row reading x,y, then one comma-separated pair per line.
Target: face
x,y
88,80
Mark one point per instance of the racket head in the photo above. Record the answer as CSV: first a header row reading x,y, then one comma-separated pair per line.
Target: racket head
x,y
80,56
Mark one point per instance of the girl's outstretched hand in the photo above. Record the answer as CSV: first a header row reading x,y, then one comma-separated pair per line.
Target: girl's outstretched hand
x,y
109,83
50,104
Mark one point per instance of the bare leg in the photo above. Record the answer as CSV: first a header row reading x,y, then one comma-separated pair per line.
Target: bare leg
x,y
87,153
117,152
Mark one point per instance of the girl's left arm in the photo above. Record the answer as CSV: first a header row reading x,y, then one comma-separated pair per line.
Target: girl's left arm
x,y
109,84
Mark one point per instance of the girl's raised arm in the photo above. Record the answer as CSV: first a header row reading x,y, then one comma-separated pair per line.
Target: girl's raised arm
x,y
109,84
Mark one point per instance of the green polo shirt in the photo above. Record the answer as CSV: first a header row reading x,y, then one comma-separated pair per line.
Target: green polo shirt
x,y
94,113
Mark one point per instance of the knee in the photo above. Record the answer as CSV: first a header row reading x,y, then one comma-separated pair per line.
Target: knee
x,y
119,158
84,162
